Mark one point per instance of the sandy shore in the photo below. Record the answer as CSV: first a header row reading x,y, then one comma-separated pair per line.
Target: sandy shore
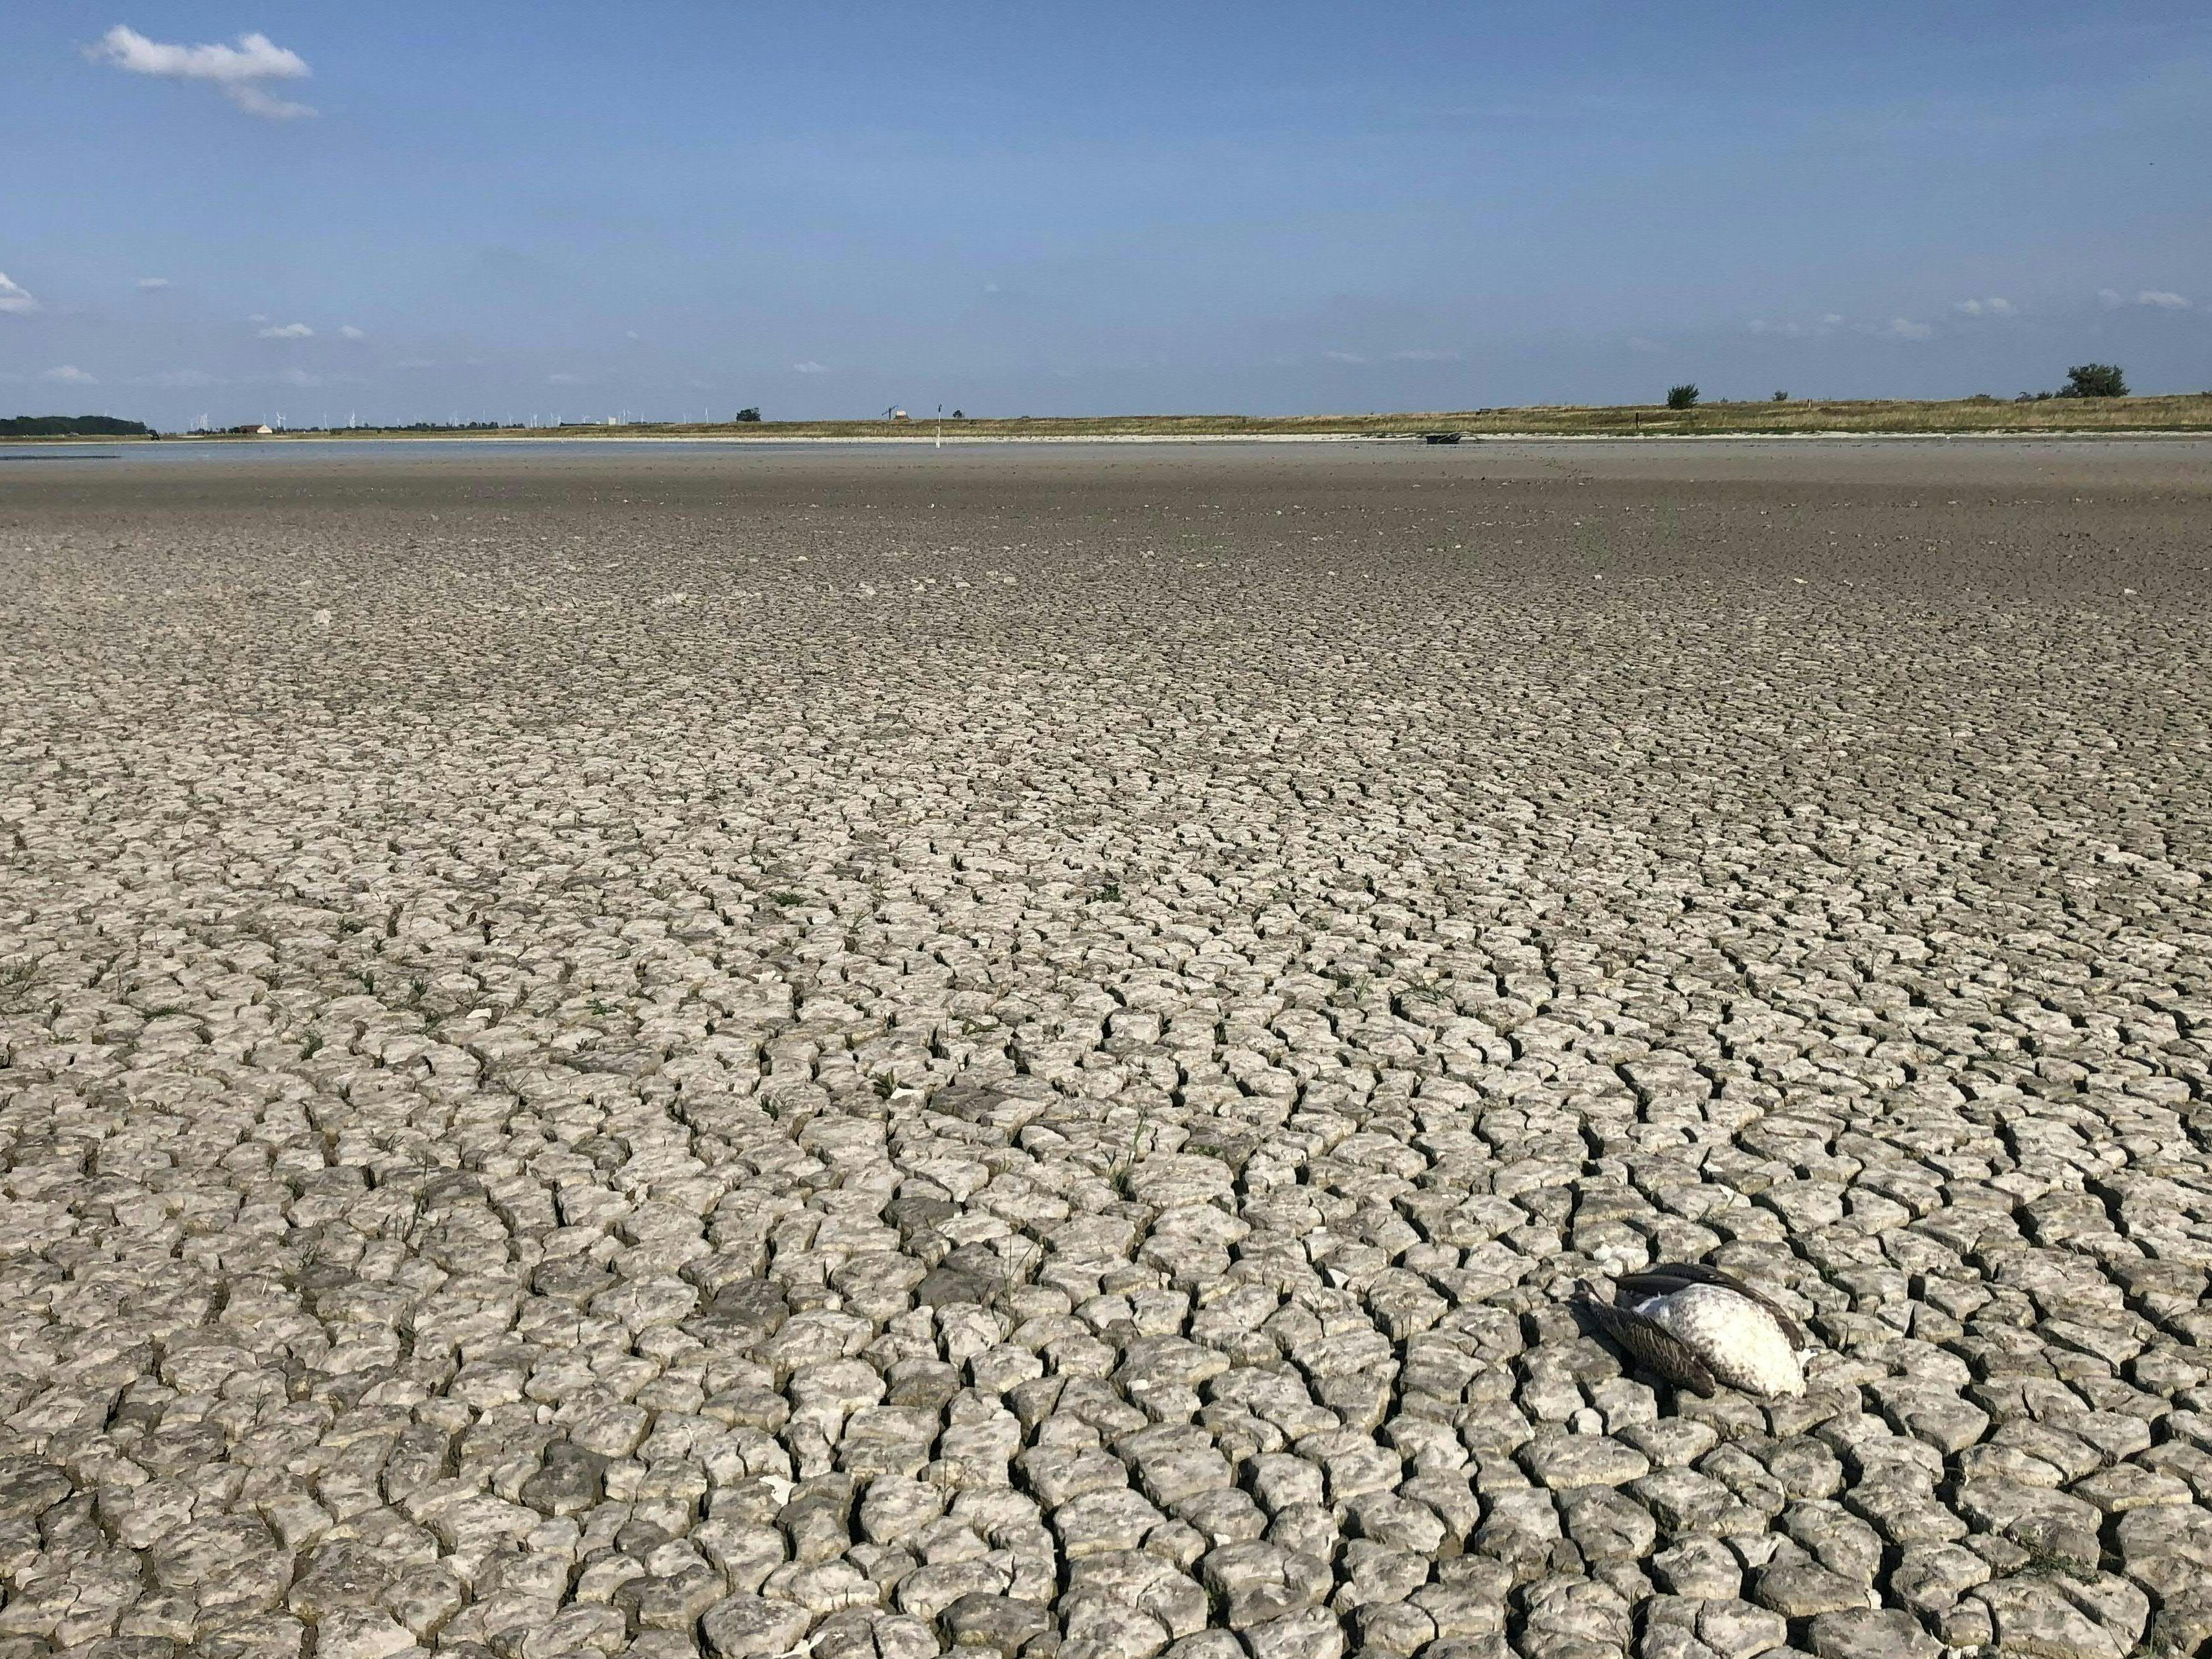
x,y
690,1050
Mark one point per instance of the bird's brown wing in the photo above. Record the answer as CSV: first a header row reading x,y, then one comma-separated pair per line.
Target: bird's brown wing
x,y
1670,1277
1652,1346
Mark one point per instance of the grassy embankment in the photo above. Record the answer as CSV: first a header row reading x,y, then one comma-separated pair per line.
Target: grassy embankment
x,y
2192,413
2182,414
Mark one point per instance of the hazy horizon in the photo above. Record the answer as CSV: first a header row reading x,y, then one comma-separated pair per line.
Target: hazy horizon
x,y
425,212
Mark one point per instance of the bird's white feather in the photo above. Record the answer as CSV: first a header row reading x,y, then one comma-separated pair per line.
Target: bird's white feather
x,y
1741,1343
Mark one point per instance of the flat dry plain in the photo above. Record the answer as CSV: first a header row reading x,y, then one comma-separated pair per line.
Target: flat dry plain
x,y
660,1050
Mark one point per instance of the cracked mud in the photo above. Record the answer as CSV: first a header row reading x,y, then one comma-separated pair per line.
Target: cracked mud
x,y
674,1053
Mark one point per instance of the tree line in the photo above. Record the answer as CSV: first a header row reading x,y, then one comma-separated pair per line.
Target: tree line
x,y
70,426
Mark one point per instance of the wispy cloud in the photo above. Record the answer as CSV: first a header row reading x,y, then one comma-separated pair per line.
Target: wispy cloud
x,y
1425,355
288,332
180,378
564,379
236,72
348,331
810,367
1989,307
69,374
13,296
1904,328
2157,299
1827,322
1346,357
149,283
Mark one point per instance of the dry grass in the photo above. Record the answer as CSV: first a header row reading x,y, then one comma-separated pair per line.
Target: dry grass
x,y
2192,413
2184,414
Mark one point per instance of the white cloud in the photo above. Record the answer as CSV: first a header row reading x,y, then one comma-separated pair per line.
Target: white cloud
x,y
180,378
415,362
149,283
288,332
1906,329
13,296
2158,299
1989,307
564,379
1827,323
348,331
1424,355
235,71
1344,357
69,375
300,377
255,58
810,367
254,101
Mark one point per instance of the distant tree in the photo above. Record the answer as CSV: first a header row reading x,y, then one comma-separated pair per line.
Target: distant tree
x,y
1780,398
2094,380
957,415
748,415
70,426
1682,397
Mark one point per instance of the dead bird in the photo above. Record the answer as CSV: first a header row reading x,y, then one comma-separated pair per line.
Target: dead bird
x,y
1699,1327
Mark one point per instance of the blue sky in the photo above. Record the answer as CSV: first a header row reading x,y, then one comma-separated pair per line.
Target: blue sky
x,y
495,208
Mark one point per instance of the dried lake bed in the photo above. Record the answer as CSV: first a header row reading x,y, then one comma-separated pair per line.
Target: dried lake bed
x,y
670,1050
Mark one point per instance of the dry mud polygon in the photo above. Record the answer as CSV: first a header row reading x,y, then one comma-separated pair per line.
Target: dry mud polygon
x,y
671,1051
